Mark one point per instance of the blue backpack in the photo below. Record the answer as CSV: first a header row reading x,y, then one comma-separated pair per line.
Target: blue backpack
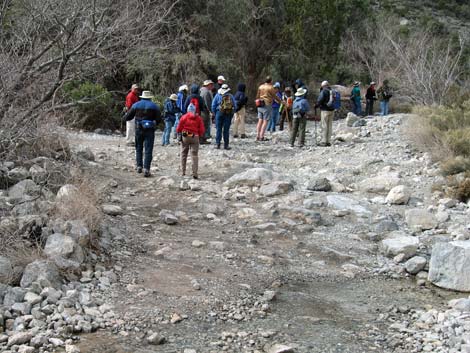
x,y
335,100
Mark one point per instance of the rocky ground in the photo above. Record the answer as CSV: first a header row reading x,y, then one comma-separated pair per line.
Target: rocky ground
x,y
274,249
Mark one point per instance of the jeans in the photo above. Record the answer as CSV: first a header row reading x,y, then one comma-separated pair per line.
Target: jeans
x,y
167,132
357,109
206,119
383,108
274,119
222,125
369,107
144,139
176,124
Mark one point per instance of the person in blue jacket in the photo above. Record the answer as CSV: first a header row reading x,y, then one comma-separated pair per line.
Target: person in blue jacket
x,y
223,107
147,115
196,99
300,109
171,111
276,105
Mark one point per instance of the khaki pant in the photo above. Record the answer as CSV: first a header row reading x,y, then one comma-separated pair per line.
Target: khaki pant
x,y
326,125
239,122
187,144
130,132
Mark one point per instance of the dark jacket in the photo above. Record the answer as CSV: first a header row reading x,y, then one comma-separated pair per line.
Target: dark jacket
x,y
240,98
300,84
144,109
323,99
370,94
171,109
195,94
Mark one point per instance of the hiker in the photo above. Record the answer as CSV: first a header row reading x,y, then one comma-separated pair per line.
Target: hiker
x,y
239,118
286,109
356,99
276,105
131,98
371,96
300,109
147,116
206,94
264,100
195,99
327,112
182,93
223,107
220,81
171,110
190,128
384,93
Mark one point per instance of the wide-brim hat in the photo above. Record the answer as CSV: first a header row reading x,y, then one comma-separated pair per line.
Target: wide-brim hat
x,y
146,95
174,97
373,83
183,88
207,82
300,92
221,78
357,83
224,89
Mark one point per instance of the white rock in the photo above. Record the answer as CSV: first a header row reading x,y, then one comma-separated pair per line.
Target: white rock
x,y
399,195
251,177
19,338
449,264
68,191
381,183
112,210
415,264
276,188
346,203
280,348
400,245
44,272
419,219
71,349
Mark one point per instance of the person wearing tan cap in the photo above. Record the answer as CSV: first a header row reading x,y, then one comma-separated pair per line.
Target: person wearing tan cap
x,y
131,98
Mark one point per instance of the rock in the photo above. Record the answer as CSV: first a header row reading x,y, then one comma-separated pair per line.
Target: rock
x,y
19,338
21,308
359,123
6,270
415,264
448,202
386,226
399,195
23,189
13,295
71,349
86,153
280,348
112,210
345,203
78,231
343,136
319,184
175,318
61,247
168,218
246,212
38,174
382,183
198,244
68,191
276,188
42,271
462,304
419,219
155,339
56,342
400,245
26,349
351,118
32,298
251,177
15,175
449,264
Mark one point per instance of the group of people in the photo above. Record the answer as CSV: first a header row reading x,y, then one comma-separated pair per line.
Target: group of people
x,y
189,114
382,94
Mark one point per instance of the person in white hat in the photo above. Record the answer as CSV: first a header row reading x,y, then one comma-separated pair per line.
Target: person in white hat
x,y
180,102
371,96
220,81
327,113
300,109
171,111
131,98
207,97
223,107
147,115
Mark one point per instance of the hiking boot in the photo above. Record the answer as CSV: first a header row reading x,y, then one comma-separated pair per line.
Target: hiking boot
x,y
139,169
235,136
243,136
195,177
218,146
227,148
146,173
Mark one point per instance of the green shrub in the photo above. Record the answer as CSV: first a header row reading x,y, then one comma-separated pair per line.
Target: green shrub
x,y
95,106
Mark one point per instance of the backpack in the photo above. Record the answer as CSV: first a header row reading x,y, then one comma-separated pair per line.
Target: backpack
x,y
297,109
335,99
195,101
226,105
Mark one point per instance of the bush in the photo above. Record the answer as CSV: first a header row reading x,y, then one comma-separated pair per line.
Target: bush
x,y
94,106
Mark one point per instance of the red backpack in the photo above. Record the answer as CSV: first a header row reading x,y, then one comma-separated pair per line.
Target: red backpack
x,y
194,101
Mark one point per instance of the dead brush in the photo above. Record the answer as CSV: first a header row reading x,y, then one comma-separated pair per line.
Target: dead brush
x,y
461,191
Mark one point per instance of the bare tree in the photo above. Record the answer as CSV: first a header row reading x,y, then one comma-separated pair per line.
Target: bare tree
x,y
44,44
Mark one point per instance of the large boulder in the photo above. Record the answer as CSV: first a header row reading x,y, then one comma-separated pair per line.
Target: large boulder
x,y
346,203
406,245
399,195
251,177
419,219
64,251
449,264
351,118
382,183
42,271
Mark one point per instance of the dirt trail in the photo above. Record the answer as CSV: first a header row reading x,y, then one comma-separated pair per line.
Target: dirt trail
x,y
215,272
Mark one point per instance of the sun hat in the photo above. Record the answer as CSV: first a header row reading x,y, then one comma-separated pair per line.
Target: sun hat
x,y
146,95
183,88
325,83
300,92
277,85
357,83
207,82
135,86
220,78
191,108
372,83
174,97
224,89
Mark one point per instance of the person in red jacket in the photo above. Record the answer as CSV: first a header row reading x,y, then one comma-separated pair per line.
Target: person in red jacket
x,y
191,128
131,98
